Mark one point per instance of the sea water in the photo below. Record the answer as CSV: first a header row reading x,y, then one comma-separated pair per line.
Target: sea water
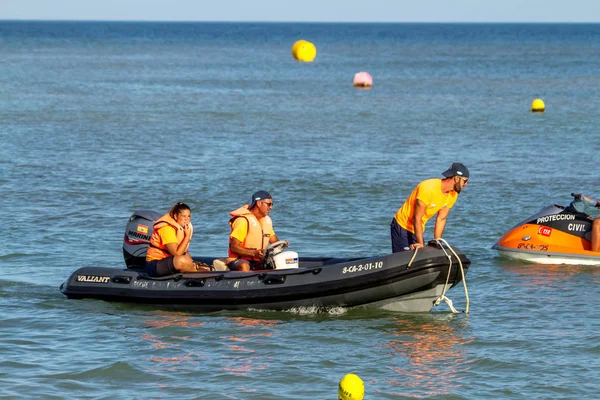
x,y
100,119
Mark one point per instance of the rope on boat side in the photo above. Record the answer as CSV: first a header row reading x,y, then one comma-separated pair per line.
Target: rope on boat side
x,y
413,257
443,296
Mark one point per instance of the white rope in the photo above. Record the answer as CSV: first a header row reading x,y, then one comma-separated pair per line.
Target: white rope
x,y
413,257
443,296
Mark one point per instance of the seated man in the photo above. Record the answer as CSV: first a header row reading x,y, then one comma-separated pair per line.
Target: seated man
x,y
581,204
251,233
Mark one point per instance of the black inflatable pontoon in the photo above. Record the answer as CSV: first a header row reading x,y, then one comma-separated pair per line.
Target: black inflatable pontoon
x,y
394,282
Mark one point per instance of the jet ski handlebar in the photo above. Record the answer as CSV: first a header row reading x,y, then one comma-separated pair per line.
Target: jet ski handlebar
x,y
581,196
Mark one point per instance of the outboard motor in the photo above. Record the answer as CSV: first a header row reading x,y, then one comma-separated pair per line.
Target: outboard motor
x,y
285,260
276,258
137,237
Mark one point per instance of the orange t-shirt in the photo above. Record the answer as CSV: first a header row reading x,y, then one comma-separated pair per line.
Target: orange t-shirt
x,y
239,229
167,235
429,192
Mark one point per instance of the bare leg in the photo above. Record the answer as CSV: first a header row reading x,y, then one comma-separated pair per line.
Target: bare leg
x,y
240,265
596,235
184,263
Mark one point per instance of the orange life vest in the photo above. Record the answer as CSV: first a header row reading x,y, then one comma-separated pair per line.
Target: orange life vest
x,y
259,231
157,250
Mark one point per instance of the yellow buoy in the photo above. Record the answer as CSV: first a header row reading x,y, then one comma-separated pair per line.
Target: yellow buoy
x,y
295,47
304,51
351,388
538,106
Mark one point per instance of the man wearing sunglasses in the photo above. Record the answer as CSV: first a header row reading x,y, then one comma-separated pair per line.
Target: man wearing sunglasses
x,y
251,233
431,196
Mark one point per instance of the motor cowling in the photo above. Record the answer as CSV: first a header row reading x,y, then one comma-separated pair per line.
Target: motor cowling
x,y
137,237
285,260
277,258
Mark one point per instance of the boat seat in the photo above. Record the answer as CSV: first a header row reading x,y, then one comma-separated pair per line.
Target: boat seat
x,y
219,264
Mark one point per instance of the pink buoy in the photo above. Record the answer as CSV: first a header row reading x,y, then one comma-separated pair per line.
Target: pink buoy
x,y
363,79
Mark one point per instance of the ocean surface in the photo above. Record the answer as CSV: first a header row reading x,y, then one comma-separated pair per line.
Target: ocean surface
x,y
100,119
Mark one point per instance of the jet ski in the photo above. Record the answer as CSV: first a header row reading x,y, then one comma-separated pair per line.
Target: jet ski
x,y
555,235
407,281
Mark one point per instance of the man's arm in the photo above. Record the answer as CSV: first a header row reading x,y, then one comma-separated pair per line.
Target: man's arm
x,y
236,246
420,208
238,234
440,223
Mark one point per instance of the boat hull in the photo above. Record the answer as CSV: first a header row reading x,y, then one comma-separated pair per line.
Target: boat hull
x,y
387,282
537,257
555,235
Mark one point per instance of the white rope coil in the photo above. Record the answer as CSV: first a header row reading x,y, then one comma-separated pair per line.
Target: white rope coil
x,y
441,242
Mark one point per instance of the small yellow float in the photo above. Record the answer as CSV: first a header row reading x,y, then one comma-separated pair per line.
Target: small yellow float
x,y
351,388
304,51
538,105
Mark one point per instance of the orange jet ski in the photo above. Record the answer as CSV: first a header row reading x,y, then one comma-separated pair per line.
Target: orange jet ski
x,y
555,235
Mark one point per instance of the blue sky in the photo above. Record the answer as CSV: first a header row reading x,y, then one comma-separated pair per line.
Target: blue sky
x,y
306,10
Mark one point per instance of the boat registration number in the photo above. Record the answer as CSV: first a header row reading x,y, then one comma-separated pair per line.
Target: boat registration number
x,y
531,246
362,267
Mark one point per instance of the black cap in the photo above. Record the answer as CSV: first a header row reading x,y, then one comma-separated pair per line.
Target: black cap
x,y
260,195
456,169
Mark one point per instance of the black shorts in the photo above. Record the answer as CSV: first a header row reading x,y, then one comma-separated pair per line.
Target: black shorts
x,y
162,267
401,238
254,265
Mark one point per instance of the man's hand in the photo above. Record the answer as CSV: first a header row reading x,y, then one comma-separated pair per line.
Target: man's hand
x,y
415,246
259,254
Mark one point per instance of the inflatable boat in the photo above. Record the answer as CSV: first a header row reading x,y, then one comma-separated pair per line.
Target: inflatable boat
x,y
407,281
554,235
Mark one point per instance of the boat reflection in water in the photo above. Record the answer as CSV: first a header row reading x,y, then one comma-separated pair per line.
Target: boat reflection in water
x,y
183,344
547,275
430,354
242,360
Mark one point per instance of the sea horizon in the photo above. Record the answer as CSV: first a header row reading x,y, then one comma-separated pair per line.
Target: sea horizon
x,y
313,22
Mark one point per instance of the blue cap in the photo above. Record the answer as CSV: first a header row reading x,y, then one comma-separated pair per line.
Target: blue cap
x,y
260,195
456,169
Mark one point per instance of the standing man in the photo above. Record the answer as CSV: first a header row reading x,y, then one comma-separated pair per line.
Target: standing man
x,y
251,233
431,196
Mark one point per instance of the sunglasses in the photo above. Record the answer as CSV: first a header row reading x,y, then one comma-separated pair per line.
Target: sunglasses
x,y
268,204
465,180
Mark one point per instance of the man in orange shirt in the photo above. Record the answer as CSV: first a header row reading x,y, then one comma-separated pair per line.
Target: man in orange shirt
x,y
251,233
431,196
